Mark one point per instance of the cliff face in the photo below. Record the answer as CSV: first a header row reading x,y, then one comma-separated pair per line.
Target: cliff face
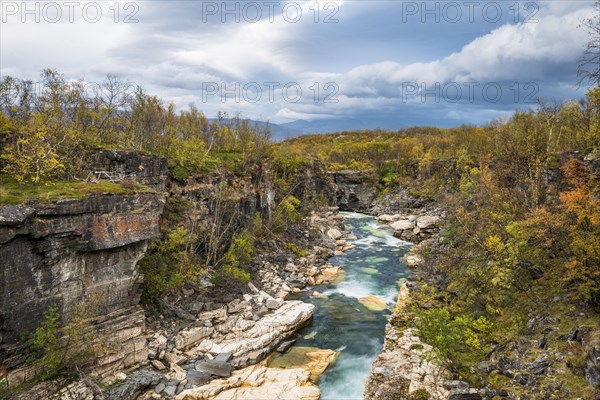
x,y
58,254
357,191
354,190
126,165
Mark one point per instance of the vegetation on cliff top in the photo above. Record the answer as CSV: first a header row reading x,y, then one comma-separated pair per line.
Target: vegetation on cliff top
x,y
13,192
46,136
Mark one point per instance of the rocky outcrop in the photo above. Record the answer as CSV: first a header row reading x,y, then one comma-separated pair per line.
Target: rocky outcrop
x,y
258,382
203,357
63,253
280,273
244,335
354,190
312,185
129,165
283,376
413,228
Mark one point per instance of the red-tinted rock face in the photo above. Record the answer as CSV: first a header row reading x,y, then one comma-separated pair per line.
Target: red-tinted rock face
x,y
60,253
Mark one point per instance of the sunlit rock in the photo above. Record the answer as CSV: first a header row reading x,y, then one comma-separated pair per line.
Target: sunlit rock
x,y
257,382
373,303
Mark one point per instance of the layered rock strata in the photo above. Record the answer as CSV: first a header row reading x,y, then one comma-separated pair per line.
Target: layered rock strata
x,y
62,254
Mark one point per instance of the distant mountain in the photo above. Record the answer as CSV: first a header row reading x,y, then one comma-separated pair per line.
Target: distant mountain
x,y
375,122
278,132
288,130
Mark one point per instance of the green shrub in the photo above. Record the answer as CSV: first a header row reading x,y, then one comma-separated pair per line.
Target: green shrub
x,y
295,249
241,249
46,342
419,394
238,256
456,339
66,350
169,265
286,213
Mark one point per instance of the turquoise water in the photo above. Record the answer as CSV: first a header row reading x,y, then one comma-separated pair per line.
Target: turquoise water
x,y
373,268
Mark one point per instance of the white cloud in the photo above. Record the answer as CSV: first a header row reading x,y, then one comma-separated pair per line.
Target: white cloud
x,y
523,52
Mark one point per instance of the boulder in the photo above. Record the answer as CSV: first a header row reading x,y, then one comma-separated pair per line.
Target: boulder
x,y
173,359
214,367
407,235
388,218
413,261
223,357
257,382
170,390
312,359
192,336
334,234
539,366
273,304
237,306
195,307
428,221
464,394
451,385
403,225
198,378
159,388
136,383
592,370
156,346
373,303
330,274
320,360
158,365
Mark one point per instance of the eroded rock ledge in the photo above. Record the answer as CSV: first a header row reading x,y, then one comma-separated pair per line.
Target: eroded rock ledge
x,y
59,254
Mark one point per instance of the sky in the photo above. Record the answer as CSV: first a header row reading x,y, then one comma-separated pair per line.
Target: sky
x,y
327,65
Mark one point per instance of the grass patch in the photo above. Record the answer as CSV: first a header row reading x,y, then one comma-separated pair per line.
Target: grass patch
x,y
12,192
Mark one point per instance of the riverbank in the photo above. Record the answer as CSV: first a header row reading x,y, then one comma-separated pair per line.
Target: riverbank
x,y
215,348
404,369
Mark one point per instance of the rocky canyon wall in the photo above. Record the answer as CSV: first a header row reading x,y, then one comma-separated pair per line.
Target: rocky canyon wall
x,y
62,254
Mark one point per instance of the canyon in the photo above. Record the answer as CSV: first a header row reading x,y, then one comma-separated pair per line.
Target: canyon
x,y
210,343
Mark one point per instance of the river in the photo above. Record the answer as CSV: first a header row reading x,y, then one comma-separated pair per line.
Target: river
x,y
373,267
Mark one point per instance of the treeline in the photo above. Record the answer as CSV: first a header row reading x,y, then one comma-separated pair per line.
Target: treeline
x,y
48,126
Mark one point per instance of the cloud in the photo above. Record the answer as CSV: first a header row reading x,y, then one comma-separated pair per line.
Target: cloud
x,y
523,52
370,54
286,113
